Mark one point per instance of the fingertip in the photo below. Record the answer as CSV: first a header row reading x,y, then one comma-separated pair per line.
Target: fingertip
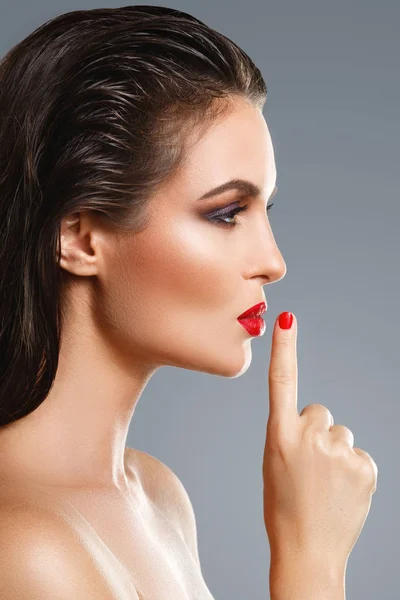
x,y
285,320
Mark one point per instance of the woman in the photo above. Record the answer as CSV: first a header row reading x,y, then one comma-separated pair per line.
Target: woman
x,y
118,257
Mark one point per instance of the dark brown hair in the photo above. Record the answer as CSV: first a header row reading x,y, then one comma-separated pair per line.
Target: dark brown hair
x,y
96,107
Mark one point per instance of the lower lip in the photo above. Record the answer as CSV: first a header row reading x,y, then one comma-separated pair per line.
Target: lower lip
x,y
253,325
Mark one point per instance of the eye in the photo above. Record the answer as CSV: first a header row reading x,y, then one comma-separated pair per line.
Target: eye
x,y
220,216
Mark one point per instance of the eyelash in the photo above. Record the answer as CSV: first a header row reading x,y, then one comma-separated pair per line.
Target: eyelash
x,y
232,213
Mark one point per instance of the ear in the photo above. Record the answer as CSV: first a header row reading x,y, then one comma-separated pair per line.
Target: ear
x,y
78,245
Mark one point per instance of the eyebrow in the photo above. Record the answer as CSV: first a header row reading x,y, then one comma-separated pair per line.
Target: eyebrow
x,y
242,185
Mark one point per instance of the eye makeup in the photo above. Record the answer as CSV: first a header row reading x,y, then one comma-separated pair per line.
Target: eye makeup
x,y
228,212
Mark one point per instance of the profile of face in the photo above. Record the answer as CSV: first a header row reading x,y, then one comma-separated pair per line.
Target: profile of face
x,y
171,294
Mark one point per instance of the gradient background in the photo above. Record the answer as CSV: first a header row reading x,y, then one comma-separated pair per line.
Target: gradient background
x,y
332,72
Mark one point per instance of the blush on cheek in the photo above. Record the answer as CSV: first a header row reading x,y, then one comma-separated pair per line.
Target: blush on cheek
x,y
163,271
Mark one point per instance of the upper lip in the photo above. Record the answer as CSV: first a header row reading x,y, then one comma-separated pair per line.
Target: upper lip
x,y
255,311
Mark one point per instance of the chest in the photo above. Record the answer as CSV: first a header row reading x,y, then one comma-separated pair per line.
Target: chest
x,y
138,548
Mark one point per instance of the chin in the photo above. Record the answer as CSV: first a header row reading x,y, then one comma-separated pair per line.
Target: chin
x,y
241,369
230,365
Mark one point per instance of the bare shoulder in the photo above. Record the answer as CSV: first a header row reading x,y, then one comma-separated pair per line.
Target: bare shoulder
x,y
168,493
160,482
157,478
41,558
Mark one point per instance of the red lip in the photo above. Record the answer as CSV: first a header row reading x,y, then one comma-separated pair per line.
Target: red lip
x,y
254,311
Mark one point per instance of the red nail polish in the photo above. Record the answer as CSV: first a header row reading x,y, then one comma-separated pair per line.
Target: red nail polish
x,y
285,320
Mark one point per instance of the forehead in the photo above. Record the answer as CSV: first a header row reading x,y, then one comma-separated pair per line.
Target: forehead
x,y
237,145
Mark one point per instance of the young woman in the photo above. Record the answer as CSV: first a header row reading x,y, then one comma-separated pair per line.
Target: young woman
x,y
136,174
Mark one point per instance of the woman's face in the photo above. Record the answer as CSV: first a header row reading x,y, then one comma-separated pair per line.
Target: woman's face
x,y
171,294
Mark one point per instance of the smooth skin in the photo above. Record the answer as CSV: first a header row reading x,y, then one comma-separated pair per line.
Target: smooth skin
x,y
317,486
169,295
51,549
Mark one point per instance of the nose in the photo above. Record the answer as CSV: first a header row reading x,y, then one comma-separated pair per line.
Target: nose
x,y
263,258
274,268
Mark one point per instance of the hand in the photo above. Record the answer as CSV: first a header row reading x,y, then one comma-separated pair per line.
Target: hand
x,y
317,487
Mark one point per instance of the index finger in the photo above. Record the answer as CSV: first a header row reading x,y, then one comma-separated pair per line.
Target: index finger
x,y
283,372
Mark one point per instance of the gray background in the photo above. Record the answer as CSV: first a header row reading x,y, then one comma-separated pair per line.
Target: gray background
x,y
332,74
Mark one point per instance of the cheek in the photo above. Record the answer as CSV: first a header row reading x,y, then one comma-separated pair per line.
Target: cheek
x,y
182,268
165,290
166,283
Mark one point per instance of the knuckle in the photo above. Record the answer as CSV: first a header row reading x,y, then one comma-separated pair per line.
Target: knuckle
x,y
316,439
342,434
323,443
367,468
318,411
282,375
285,342
314,407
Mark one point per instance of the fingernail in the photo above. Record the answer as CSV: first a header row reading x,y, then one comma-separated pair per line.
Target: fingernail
x,y
285,320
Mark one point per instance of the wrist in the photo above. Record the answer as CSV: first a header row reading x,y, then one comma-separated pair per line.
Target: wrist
x,y
305,577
